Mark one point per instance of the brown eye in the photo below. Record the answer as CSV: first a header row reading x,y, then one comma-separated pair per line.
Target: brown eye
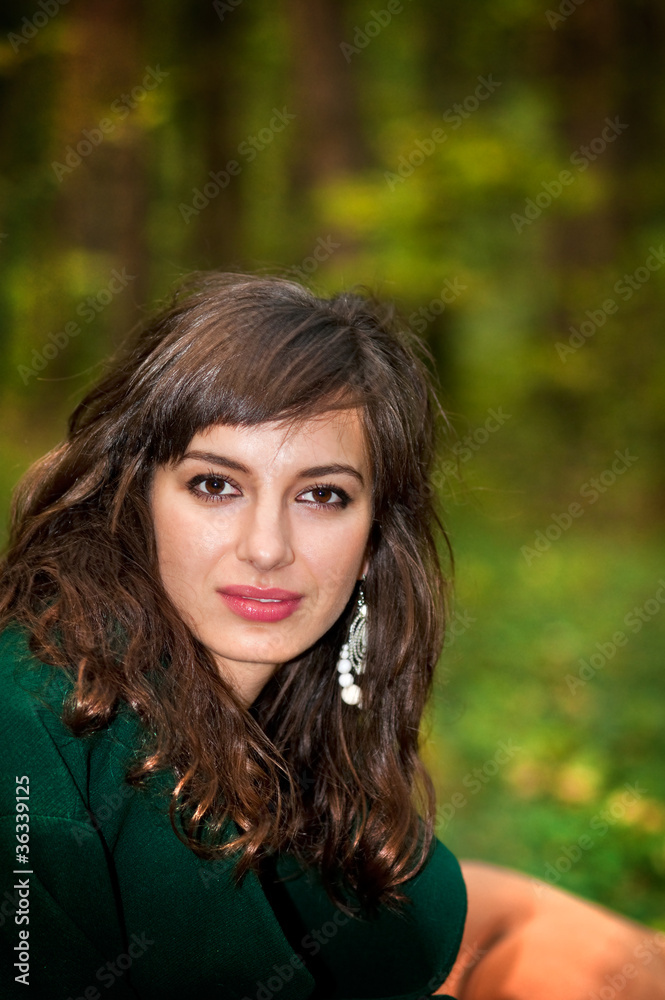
x,y
325,496
213,485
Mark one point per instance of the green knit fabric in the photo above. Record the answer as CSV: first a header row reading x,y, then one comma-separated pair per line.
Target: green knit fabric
x,y
118,907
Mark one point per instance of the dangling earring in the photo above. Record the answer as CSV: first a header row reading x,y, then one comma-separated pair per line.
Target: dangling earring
x,y
352,653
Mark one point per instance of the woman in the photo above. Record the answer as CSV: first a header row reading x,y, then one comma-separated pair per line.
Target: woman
x,y
224,606
245,479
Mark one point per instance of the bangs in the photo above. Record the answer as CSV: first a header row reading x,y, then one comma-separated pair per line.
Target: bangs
x,y
239,350
246,369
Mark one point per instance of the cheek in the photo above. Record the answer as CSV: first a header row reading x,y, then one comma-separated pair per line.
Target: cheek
x,y
335,561
185,546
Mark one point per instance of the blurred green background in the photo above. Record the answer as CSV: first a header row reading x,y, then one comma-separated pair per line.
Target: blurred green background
x,y
497,169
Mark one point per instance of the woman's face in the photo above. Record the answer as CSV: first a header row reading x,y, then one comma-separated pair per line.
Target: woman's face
x,y
261,536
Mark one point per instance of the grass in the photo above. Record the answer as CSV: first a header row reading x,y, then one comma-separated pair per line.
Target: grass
x,y
542,763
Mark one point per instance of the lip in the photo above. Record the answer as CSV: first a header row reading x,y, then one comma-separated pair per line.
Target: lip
x,y
246,602
272,593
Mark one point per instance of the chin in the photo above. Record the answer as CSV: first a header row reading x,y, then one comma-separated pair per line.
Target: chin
x,y
253,652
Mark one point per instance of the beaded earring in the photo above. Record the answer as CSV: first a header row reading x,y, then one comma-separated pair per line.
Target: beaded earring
x,y
352,654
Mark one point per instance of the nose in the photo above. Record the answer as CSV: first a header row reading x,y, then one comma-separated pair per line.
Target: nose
x,y
265,537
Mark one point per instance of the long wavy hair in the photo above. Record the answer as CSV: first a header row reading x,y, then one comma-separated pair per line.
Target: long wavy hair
x,y
299,771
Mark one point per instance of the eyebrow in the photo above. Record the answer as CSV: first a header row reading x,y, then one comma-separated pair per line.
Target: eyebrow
x,y
314,471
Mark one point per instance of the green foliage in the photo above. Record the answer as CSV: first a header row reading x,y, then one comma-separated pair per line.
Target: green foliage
x,y
535,666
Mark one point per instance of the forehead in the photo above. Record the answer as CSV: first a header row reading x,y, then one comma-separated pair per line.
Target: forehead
x,y
335,435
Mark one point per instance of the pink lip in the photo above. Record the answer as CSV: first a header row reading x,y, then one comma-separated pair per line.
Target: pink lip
x,y
245,602
274,593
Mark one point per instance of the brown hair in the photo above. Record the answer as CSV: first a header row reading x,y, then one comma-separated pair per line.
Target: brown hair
x,y
299,771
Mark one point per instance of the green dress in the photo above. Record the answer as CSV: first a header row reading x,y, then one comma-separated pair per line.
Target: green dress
x,y
100,899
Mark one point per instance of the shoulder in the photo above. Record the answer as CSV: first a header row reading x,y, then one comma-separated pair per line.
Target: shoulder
x,y
439,906
63,769
440,882
23,676
407,952
32,695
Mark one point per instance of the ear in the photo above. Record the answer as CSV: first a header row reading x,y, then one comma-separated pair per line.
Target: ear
x,y
365,568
